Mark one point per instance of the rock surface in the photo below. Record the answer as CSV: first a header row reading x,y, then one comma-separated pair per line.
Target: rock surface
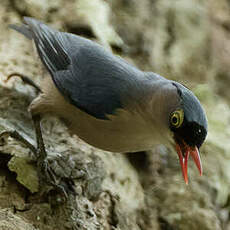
x,y
188,41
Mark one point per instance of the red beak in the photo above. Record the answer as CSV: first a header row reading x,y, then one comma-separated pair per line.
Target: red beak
x,y
183,151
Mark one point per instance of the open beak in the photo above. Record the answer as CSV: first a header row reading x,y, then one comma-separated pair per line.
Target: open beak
x,y
183,151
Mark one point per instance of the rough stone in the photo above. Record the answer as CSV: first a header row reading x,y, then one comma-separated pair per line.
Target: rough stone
x,y
182,40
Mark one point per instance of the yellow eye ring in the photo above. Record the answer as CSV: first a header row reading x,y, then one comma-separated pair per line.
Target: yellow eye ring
x,y
177,118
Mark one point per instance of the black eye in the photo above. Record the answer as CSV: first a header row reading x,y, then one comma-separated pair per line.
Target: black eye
x,y
174,120
177,118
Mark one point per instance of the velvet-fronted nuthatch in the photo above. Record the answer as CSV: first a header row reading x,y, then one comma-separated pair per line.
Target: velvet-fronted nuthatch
x,y
111,104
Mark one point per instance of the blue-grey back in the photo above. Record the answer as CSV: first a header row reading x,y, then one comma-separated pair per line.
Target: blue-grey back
x,y
90,77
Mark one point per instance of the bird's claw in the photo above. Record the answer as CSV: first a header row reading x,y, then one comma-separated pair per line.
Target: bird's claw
x,y
46,173
3,137
25,79
59,173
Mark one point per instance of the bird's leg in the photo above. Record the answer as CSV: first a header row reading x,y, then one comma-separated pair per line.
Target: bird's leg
x,y
44,171
41,151
25,79
14,134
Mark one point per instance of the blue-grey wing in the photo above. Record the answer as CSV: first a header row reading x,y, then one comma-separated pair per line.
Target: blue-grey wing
x,y
87,75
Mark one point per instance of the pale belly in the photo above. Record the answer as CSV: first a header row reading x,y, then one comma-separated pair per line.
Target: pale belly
x,y
122,133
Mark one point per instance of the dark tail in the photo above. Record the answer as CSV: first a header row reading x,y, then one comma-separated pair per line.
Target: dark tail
x,y
23,29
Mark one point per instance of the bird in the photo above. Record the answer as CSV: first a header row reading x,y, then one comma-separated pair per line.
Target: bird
x,y
108,102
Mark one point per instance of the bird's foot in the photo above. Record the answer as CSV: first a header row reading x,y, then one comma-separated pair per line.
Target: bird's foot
x,y
14,134
25,80
59,172
48,176
48,169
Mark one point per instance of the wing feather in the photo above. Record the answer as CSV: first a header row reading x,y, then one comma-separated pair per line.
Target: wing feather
x,y
87,75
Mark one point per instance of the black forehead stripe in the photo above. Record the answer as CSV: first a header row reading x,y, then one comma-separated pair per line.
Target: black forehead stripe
x,y
194,128
193,110
191,106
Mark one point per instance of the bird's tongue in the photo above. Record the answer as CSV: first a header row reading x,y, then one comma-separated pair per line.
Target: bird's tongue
x,y
183,152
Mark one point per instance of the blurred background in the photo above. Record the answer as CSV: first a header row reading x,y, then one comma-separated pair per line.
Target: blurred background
x,y
188,41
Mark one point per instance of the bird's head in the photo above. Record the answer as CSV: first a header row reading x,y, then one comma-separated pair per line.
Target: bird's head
x,y
188,124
